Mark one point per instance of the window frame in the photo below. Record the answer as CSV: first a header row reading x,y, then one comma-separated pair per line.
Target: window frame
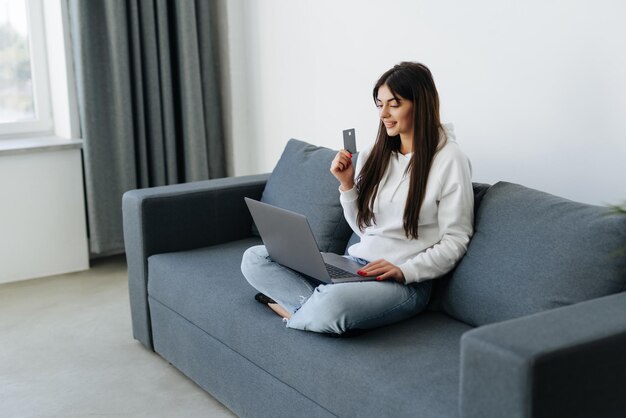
x,y
43,123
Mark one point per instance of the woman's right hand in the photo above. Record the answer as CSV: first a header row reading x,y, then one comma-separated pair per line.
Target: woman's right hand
x,y
343,169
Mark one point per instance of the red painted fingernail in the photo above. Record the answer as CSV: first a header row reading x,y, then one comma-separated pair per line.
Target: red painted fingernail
x,y
379,278
350,155
360,273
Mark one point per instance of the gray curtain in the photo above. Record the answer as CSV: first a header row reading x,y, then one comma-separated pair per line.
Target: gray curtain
x,y
149,101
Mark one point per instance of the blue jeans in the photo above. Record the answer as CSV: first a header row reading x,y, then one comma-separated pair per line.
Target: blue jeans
x,y
333,308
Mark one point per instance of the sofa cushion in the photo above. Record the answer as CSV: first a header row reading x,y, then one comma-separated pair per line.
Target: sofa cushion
x,y
440,284
302,182
532,251
385,372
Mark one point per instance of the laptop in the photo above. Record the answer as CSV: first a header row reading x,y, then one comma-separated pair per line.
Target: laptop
x,y
290,242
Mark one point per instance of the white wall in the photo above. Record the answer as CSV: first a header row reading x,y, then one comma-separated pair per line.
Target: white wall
x,y
536,89
42,214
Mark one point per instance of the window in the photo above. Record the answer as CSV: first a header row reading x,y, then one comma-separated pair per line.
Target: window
x,y
24,94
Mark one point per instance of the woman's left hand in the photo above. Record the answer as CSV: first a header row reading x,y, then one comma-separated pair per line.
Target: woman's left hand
x,y
383,270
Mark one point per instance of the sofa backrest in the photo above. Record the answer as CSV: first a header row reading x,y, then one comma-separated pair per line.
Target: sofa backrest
x,y
302,182
532,251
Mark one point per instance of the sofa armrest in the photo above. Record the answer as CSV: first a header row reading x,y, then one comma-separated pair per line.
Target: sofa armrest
x,y
176,218
566,362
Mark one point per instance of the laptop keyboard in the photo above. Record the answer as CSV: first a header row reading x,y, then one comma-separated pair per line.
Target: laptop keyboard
x,y
337,273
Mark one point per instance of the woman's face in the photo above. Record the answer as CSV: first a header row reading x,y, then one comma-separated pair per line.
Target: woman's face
x,y
395,112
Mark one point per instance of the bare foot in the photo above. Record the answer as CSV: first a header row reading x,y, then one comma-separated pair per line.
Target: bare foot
x,y
282,312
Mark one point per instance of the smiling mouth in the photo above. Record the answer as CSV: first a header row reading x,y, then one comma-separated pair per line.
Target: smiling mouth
x,y
390,124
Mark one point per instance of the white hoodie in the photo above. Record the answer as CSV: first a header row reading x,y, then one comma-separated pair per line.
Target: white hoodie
x,y
445,220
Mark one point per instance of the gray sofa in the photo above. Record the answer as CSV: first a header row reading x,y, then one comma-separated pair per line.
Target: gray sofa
x,y
531,323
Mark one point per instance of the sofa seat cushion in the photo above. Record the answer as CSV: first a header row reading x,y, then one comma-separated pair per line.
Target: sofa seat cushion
x,y
533,251
408,369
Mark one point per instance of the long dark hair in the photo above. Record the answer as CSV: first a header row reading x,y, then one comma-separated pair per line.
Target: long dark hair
x,y
413,82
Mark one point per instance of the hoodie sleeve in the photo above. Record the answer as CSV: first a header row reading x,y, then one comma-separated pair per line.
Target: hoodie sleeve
x,y
349,198
455,218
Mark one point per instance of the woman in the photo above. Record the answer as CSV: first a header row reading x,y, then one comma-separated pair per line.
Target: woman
x,y
409,199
